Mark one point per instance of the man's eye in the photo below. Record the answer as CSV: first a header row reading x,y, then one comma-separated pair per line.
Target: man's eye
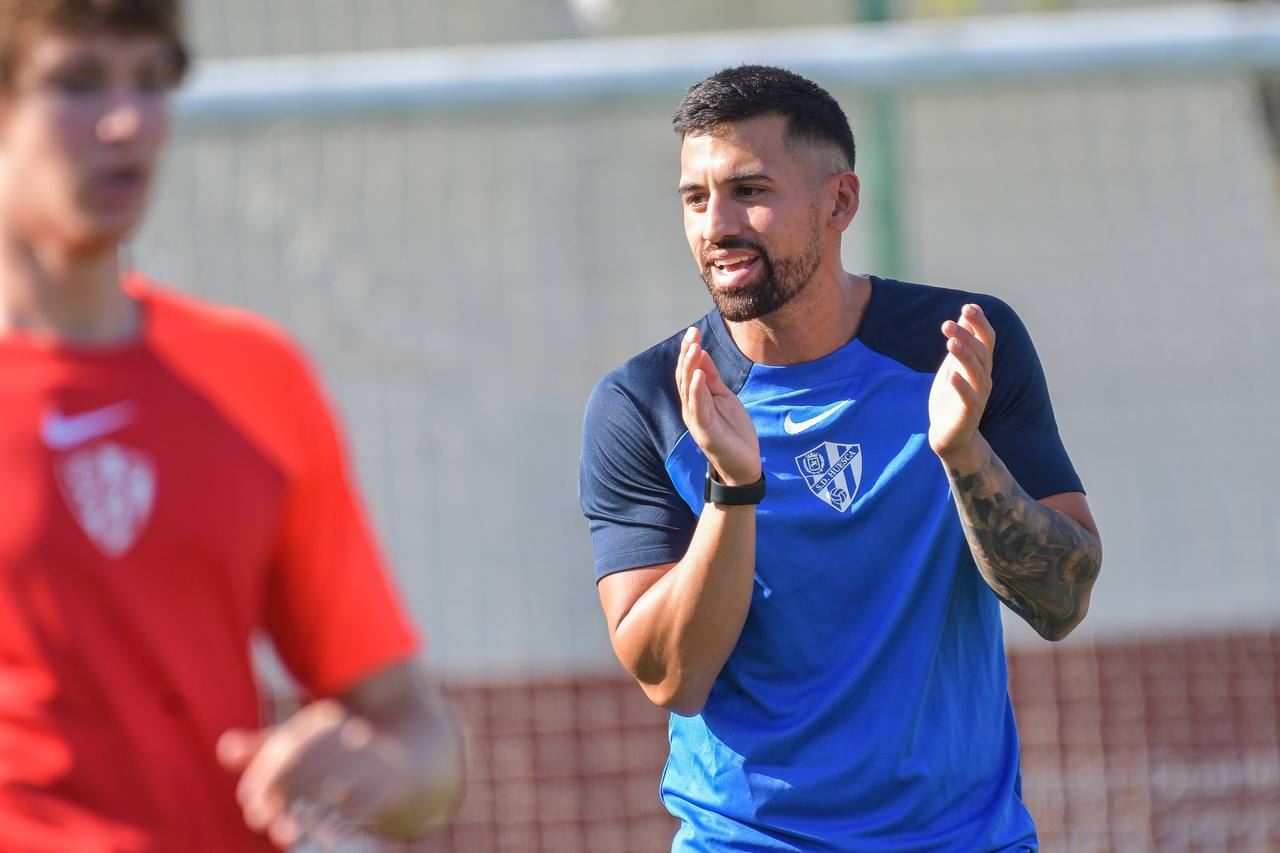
x,y
156,79
749,192
695,200
81,82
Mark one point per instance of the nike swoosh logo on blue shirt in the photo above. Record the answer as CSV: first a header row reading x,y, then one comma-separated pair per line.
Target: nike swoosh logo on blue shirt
x,y
796,427
64,433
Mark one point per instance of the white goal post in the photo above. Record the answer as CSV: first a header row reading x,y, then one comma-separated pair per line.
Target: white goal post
x,y
1200,38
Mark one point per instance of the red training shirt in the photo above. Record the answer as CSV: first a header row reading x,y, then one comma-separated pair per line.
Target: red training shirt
x,y
159,501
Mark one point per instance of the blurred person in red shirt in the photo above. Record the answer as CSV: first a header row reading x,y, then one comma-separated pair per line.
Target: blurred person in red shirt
x,y
171,481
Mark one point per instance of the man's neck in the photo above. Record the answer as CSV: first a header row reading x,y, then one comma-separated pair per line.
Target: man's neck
x,y
69,299
825,316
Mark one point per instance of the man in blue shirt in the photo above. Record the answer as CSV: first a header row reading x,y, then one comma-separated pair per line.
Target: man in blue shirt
x,y
806,507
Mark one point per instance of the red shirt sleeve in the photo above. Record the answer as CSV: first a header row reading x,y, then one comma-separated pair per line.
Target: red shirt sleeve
x,y
330,605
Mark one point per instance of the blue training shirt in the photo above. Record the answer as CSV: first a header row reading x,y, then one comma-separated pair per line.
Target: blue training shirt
x,y
865,706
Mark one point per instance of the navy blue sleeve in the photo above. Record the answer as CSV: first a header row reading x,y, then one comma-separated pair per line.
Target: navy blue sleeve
x,y
633,420
904,321
1019,423
636,517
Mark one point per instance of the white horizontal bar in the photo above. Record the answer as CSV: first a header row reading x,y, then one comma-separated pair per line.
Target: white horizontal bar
x,y
1203,38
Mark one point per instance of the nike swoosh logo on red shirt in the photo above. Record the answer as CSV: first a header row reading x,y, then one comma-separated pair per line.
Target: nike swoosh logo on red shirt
x,y
63,432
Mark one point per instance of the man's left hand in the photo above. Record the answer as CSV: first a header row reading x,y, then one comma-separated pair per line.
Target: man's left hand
x,y
961,389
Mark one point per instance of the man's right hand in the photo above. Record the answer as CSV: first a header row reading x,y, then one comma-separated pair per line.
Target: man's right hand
x,y
716,418
386,756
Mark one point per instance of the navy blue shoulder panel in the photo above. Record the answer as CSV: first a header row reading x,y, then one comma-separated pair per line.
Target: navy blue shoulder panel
x,y
903,322
632,422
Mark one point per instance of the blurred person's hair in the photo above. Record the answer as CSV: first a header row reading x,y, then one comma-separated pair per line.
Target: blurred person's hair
x,y
749,91
22,22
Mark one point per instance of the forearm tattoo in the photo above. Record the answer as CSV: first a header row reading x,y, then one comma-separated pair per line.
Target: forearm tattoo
x,y
1039,562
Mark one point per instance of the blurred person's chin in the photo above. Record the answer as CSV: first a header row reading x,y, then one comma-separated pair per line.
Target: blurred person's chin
x,y
97,236
83,229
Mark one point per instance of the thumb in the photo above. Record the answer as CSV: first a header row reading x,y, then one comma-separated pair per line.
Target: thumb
x,y
237,747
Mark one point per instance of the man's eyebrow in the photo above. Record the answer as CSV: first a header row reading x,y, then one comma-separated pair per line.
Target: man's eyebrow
x,y
737,178
78,63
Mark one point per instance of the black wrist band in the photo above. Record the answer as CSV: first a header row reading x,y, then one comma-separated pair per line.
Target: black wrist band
x,y
719,493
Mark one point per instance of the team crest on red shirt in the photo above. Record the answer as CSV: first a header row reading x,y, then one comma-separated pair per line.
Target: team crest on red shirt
x,y
111,491
833,472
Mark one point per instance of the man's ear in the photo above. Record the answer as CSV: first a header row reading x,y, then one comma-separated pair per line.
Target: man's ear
x,y
845,187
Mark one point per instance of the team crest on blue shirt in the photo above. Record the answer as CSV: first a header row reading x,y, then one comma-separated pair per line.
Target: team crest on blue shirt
x,y
833,472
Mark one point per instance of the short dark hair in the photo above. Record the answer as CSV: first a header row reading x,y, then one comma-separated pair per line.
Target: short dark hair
x,y
748,91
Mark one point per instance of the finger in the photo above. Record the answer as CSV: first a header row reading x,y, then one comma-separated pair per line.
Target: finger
x,y
328,767
715,383
350,776
699,401
976,321
332,773
958,331
692,363
260,814
237,747
967,393
284,830
285,817
966,360
962,329
257,783
289,746
967,327
690,336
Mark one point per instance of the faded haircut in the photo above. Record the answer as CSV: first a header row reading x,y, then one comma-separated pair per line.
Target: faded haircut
x,y
749,91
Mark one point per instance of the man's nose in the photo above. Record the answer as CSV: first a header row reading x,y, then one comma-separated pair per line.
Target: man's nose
x,y
722,219
123,118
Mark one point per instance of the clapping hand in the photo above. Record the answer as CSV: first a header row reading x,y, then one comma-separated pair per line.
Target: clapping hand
x,y
961,390
716,418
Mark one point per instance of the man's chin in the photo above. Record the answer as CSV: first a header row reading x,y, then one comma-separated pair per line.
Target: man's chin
x,y
100,234
739,304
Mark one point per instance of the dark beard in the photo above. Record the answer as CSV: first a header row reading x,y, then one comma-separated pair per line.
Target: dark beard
x,y
783,279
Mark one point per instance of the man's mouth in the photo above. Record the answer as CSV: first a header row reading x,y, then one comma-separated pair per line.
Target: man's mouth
x,y
119,185
733,267
123,176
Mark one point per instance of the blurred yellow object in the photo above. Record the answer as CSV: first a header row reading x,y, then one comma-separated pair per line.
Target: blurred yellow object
x,y
961,8
949,8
